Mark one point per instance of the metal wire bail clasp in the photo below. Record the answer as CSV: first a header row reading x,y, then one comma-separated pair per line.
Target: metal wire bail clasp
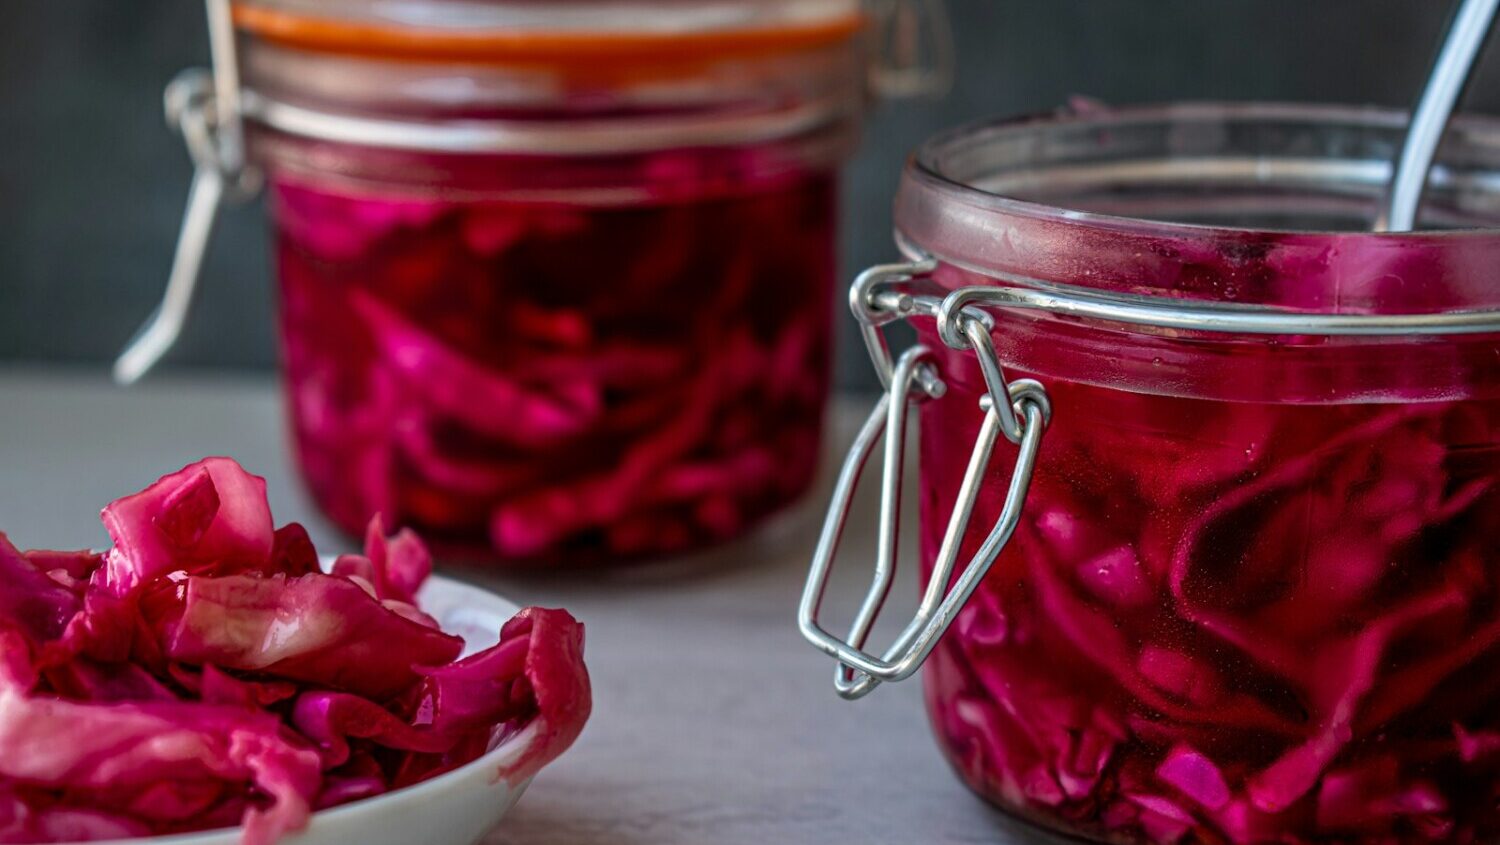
x,y
1019,410
204,107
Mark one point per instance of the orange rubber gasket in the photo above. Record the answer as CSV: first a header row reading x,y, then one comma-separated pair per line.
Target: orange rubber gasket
x,y
643,51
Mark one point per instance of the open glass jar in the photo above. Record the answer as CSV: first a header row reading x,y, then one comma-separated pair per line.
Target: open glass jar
x,y
1240,581
554,277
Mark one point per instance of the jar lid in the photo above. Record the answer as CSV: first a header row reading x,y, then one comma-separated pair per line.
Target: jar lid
x,y
549,32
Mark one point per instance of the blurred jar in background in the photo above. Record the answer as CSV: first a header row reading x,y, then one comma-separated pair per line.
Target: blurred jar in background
x,y
555,279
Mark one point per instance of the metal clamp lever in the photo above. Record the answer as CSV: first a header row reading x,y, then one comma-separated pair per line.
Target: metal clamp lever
x,y
1021,415
204,107
1019,410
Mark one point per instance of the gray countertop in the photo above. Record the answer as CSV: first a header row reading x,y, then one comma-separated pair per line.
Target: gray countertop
x,y
713,721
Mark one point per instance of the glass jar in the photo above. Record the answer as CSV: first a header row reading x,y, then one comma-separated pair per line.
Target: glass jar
x,y
1240,581
554,278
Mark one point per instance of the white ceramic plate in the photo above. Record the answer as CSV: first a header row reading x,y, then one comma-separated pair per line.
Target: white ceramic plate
x,y
456,808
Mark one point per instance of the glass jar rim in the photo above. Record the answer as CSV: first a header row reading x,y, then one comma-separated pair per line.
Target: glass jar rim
x,y
922,169
364,73
972,222
516,32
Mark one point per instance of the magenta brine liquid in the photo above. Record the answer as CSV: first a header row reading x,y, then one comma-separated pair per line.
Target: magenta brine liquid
x,y
536,381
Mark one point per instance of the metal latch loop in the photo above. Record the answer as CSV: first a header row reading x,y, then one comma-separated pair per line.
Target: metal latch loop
x,y
1021,415
213,142
872,309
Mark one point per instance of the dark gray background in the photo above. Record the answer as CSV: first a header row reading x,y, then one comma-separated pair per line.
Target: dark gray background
x,y
92,184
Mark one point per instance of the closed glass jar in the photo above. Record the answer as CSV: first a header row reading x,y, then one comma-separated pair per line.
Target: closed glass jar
x,y
554,278
1254,591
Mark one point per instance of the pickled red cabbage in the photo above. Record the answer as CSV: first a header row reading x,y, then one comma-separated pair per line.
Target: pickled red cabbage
x,y
203,672
1228,618
547,382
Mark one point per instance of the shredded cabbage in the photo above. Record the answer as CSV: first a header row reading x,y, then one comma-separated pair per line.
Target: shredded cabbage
x,y
539,382
204,673
1231,621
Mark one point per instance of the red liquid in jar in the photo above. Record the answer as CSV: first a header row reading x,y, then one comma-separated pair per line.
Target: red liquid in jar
x,y
558,382
1230,619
